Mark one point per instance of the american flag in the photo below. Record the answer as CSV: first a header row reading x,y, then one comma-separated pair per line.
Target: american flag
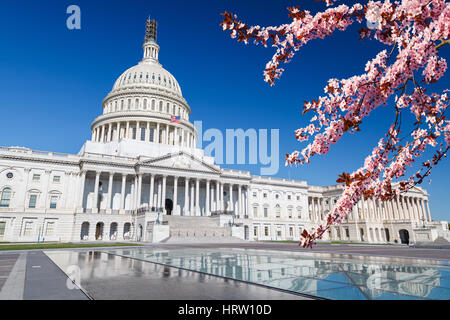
x,y
175,119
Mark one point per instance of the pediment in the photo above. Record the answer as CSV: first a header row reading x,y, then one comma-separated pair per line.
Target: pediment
x,y
181,161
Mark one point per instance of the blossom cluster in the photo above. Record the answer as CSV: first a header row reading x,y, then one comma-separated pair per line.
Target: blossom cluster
x,y
413,31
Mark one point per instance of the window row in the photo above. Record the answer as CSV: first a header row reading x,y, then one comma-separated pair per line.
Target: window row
x,y
265,195
265,211
145,104
6,196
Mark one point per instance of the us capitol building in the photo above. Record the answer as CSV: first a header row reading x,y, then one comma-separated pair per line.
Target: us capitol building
x,y
141,178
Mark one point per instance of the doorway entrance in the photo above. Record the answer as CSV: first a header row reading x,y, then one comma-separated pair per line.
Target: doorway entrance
x,y
404,236
168,206
99,231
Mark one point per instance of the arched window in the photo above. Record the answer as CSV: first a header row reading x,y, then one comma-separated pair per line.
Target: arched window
x,y
153,104
5,197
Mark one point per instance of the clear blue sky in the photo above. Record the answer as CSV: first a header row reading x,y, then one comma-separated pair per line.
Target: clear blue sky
x,y
53,79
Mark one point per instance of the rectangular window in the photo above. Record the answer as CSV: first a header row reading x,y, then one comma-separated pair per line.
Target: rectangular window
x,y
36,177
291,231
28,229
254,194
266,231
32,202
50,229
255,231
53,200
298,198
265,212
290,213
143,134
289,197
2,228
265,195
255,212
279,233
57,179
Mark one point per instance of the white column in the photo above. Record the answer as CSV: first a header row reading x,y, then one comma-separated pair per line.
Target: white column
x,y
197,197
138,131
152,191
186,196
109,132
166,138
240,200
207,205
81,188
127,132
118,131
139,190
175,135
158,197
163,200
147,132
122,191
97,181
110,185
192,198
218,195
422,207
157,133
222,204
231,197
175,195
428,210
102,137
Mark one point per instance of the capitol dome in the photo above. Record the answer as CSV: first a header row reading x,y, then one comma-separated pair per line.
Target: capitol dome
x,y
148,74
146,104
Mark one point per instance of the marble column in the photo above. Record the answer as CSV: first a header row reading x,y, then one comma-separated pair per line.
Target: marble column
x,y
207,204
222,204
157,139
159,196
139,190
186,196
110,185
231,197
97,181
422,206
192,198
122,191
428,210
197,197
163,199
217,195
152,191
239,199
83,181
175,195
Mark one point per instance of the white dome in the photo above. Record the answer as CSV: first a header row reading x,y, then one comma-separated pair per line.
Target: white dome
x,y
148,74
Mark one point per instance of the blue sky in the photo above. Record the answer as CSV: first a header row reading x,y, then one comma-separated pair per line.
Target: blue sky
x,y
54,79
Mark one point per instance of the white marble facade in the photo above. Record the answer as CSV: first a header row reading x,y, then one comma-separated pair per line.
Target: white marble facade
x,y
139,161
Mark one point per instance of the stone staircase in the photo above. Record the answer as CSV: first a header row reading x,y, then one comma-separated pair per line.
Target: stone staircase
x,y
197,229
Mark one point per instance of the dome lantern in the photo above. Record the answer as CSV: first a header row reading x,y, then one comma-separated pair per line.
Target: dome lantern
x,y
151,48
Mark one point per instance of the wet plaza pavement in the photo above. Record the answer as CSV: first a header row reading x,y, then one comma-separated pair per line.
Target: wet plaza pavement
x,y
250,271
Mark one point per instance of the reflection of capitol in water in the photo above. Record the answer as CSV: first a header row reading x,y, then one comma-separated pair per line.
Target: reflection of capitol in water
x,y
300,273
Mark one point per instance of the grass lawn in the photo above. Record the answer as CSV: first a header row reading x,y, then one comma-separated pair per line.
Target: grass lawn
x,y
32,246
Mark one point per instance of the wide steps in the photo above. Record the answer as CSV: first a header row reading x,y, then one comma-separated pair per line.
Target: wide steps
x,y
191,222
